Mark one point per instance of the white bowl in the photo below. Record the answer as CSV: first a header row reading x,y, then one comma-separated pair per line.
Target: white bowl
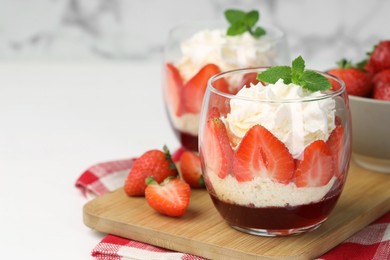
x,y
371,133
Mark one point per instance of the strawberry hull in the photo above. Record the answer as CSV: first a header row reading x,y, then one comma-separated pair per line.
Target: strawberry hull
x,y
276,220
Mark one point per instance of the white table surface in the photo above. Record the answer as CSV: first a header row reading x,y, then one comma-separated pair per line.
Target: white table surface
x,y
56,120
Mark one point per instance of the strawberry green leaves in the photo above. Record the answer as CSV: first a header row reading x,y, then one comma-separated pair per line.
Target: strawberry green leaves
x,y
296,74
241,22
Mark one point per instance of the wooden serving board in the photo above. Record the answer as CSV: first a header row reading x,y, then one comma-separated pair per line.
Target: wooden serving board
x,y
201,231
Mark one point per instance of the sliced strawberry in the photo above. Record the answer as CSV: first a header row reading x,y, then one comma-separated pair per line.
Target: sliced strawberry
x,y
191,170
316,167
215,148
248,79
171,197
214,113
195,88
174,89
261,153
335,143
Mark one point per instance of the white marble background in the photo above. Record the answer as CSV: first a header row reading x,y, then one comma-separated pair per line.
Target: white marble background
x,y
323,31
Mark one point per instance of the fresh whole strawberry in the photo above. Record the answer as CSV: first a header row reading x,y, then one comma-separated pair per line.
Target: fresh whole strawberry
x,y
381,82
381,77
171,197
260,153
191,169
316,167
155,163
380,57
216,150
195,88
382,91
357,81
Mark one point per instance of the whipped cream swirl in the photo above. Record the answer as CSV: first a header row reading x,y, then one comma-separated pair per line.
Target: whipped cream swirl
x,y
227,52
296,124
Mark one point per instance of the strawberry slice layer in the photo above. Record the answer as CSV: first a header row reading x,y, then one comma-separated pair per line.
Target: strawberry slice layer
x,y
216,149
316,168
174,89
260,153
195,88
335,143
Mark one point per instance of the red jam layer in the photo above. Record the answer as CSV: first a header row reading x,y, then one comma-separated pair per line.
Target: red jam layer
x,y
276,218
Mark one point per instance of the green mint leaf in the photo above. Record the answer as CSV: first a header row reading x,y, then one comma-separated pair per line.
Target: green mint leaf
x,y
233,16
296,74
298,65
314,81
258,32
240,22
251,18
273,74
236,29
297,69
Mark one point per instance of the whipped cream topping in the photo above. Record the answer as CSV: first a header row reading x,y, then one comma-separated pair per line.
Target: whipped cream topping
x,y
227,52
296,124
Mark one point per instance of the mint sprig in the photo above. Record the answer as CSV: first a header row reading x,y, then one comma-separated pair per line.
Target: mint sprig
x,y
296,74
241,22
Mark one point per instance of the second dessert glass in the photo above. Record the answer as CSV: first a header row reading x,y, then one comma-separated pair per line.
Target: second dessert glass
x,y
274,160
196,51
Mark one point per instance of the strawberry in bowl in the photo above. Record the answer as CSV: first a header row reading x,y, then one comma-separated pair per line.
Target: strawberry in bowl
x,y
194,52
276,154
368,86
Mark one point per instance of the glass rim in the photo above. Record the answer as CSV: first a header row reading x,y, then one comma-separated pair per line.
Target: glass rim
x,y
324,94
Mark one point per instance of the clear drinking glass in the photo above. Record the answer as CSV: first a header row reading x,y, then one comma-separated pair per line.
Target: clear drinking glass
x,y
196,51
274,166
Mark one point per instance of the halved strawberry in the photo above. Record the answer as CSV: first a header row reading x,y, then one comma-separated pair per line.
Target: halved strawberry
x,y
174,89
171,197
335,143
195,88
215,148
261,153
316,167
191,170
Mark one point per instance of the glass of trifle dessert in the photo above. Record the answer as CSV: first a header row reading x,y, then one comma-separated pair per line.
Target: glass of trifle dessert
x,y
198,50
275,151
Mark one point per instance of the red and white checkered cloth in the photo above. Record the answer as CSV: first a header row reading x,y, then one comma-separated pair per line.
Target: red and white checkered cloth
x,y
373,242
